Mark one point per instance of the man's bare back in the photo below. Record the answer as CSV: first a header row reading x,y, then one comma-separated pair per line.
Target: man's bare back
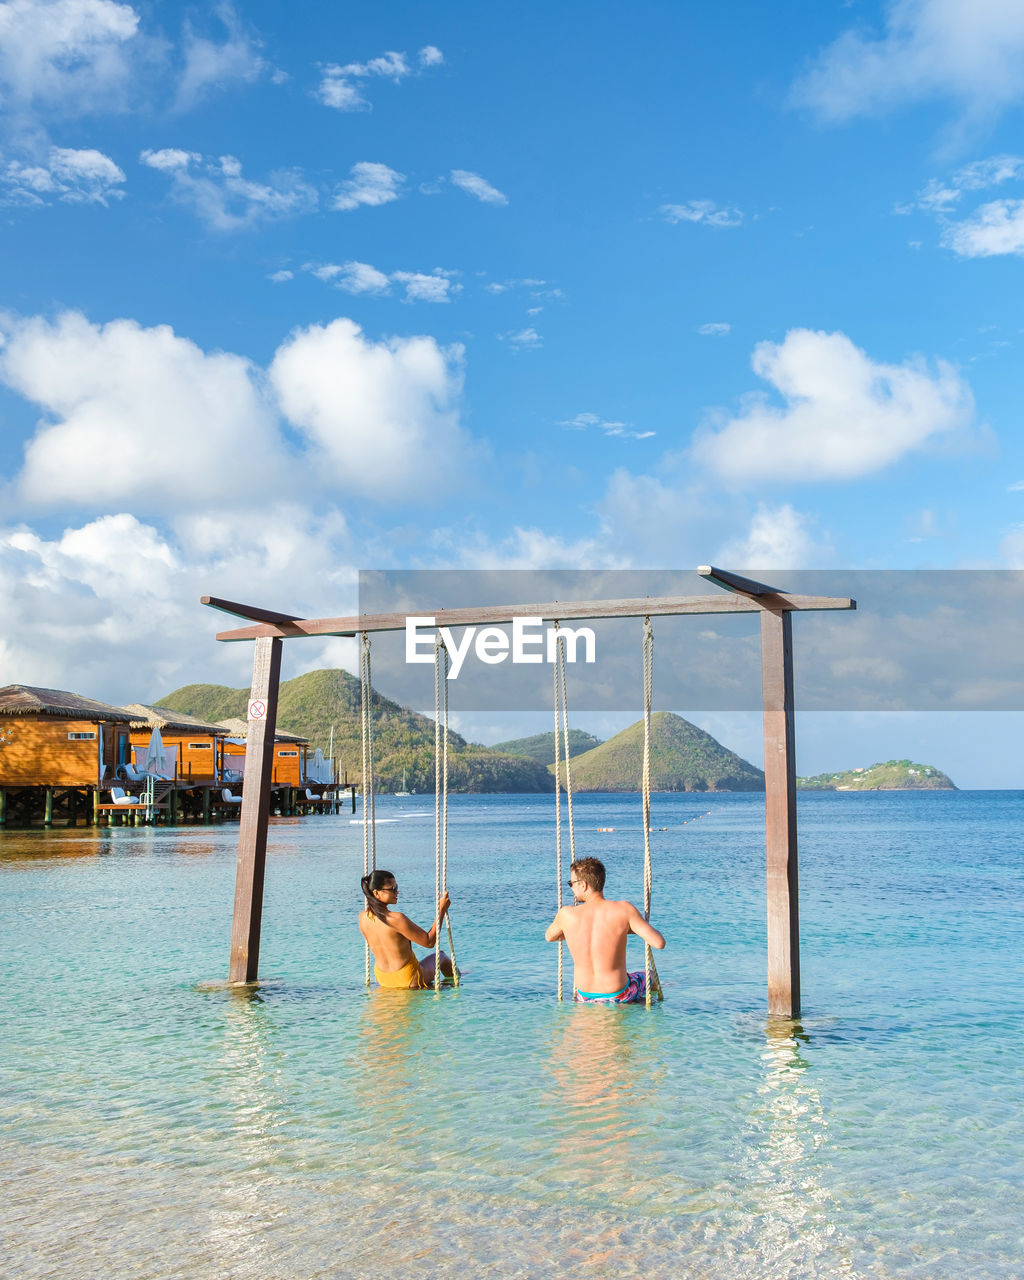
x,y
596,930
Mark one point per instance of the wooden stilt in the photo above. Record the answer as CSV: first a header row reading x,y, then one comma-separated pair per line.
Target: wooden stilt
x,y
96,807
48,808
3,807
780,814
252,833
206,805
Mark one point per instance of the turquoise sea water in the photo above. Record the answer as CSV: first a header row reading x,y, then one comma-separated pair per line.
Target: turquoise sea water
x,y
155,1125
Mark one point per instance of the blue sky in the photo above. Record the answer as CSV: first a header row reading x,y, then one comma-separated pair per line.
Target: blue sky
x,y
561,286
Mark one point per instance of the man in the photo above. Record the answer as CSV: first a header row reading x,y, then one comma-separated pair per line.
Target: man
x,y
596,931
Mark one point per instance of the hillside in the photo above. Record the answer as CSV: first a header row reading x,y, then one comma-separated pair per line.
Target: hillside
x,y
541,747
893,775
403,740
683,758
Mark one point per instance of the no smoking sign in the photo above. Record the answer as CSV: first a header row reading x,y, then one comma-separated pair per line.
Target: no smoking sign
x,y
257,709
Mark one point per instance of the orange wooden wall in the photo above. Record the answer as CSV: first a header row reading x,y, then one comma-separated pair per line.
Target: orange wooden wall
x,y
203,758
41,754
288,768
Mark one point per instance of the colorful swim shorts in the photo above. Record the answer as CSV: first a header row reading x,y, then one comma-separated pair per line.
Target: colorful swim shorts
x,y
633,992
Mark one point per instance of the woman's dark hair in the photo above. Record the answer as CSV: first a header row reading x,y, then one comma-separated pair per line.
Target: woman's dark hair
x,y
377,880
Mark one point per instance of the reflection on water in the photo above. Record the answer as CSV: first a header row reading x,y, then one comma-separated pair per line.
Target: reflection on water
x,y
250,1068
786,1164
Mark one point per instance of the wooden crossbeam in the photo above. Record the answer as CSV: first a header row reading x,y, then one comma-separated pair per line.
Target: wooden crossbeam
x,y
563,610
251,611
734,582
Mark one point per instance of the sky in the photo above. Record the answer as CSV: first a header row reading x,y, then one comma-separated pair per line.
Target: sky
x,y
452,286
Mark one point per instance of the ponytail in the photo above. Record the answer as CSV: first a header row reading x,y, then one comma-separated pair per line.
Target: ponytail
x,y
376,880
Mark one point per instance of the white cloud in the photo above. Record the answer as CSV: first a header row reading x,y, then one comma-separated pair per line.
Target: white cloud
x,y
1011,548
83,606
474,185
778,538
523,548
354,277
940,196
218,194
143,418
704,211
71,56
213,65
72,176
994,229
341,87
990,230
383,417
537,288
361,277
436,287
973,53
280,277
991,172
138,415
522,339
844,415
371,184
717,329
590,421
663,522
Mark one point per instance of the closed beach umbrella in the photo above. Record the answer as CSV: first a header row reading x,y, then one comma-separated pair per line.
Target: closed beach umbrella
x,y
156,756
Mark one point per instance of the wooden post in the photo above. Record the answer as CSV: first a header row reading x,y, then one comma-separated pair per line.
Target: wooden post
x,y
3,807
206,805
48,808
96,807
254,817
172,800
780,814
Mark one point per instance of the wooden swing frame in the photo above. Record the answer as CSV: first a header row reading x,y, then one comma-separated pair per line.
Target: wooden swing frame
x,y
269,629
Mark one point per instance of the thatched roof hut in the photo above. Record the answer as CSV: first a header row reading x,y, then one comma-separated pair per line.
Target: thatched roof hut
x,y
236,728
168,721
27,700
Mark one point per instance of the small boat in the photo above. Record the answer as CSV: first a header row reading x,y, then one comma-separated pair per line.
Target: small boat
x,y
403,791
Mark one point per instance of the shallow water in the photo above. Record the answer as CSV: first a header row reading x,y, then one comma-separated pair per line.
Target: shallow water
x,y
158,1125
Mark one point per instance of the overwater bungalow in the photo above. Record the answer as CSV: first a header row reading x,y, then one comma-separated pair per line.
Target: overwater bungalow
x,y
290,750
56,748
194,748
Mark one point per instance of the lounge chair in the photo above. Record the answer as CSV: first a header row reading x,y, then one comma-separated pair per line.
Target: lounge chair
x,y
228,796
119,796
130,773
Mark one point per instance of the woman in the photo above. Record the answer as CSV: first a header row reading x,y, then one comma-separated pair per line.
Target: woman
x,y
390,935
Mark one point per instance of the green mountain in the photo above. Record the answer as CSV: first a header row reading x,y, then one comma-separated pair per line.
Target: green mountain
x,y
683,758
403,740
541,747
893,775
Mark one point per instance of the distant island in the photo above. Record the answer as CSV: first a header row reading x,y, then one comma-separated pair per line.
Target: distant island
x,y
893,775
683,758
541,746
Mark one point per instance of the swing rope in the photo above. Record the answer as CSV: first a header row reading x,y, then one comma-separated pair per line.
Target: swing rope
x,y
369,781
442,662
650,971
561,706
